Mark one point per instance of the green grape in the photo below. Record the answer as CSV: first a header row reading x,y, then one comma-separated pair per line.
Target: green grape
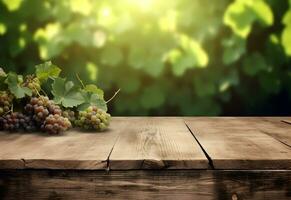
x,y
33,83
5,102
93,119
70,114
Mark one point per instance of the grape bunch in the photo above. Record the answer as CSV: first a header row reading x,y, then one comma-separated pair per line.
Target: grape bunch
x,y
37,112
40,107
17,121
54,124
70,114
33,83
5,102
93,119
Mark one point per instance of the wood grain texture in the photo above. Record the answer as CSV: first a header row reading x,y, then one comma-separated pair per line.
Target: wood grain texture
x,y
145,184
73,150
157,143
234,143
288,121
277,127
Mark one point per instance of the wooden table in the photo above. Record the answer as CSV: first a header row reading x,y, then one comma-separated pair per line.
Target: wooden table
x,y
152,157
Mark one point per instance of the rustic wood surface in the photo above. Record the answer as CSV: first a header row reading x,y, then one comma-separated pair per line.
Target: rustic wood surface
x,y
279,128
157,143
74,150
145,184
238,143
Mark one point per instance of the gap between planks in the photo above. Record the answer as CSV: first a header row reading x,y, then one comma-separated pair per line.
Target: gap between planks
x,y
157,143
210,162
157,158
241,143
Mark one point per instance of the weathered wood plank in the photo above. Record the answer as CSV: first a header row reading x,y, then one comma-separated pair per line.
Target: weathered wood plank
x,y
157,143
288,121
145,184
277,127
234,143
73,150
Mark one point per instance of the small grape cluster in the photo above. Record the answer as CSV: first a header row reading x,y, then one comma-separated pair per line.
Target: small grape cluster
x,y
70,114
54,124
33,83
47,115
93,119
5,102
40,107
17,121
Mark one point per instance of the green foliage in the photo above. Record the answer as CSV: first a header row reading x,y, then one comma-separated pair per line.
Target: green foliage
x,y
66,93
241,14
14,82
286,34
47,70
175,57
253,64
189,55
234,48
92,99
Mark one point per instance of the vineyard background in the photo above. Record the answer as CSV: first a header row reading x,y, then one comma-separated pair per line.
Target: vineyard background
x,y
174,57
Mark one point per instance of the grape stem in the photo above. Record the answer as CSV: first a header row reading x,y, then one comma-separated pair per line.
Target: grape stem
x,y
113,96
78,77
11,110
36,91
43,91
7,113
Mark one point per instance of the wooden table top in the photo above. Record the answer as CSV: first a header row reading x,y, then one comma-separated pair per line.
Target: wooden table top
x,y
157,143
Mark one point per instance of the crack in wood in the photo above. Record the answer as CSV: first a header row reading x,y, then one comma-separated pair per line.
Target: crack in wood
x,y
210,162
107,160
269,134
286,122
23,162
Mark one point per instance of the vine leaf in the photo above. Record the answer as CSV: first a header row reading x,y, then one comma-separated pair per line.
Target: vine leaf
x,y
95,90
92,99
14,84
66,93
47,70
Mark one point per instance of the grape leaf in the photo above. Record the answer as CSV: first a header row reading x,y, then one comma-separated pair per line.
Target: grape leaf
x,y
47,70
95,90
14,84
66,93
92,99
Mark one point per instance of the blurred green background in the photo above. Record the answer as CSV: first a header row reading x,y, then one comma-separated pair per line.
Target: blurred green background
x,y
169,57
